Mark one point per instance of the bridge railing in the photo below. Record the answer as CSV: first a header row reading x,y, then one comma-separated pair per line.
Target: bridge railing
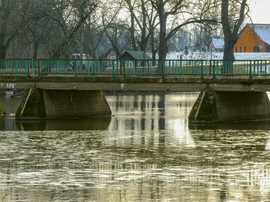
x,y
164,68
17,67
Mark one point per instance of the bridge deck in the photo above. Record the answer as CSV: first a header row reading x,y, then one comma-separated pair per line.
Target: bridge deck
x,y
145,83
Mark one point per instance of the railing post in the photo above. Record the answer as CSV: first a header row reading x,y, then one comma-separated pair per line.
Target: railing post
x,y
25,67
75,68
162,68
173,67
38,68
88,68
168,72
93,63
180,68
265,68
148,66
124,68
28,68
250,69
33,65
169,69
121,67
214,69
134,63
57,63
202,69
99,66
113,68
16,67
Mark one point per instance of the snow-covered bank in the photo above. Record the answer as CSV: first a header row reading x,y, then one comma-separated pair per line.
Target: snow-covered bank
x,y
216,56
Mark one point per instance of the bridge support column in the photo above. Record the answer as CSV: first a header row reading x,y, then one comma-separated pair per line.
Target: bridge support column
x,y
217,106
57,104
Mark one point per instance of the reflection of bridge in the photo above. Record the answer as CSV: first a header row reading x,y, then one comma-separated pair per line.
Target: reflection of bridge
x,y
231,90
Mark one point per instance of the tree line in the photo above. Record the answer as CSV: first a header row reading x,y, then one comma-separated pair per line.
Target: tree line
x,y
55,29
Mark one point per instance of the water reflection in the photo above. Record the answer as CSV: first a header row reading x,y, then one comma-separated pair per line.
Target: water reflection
x,y
147,152
150,114
65,124
85,165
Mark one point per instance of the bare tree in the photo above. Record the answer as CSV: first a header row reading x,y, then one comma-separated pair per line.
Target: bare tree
x,y
54,25
13,16
118,36
116,27
232,17
163,13
196,12
143,19
78,13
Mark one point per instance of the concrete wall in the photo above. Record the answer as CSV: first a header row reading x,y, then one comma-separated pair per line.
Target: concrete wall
x,y
242,105
217,106
51,104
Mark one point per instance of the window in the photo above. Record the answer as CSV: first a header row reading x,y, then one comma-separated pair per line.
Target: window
x,y
245,49
240,49
268,49
235,49
256,49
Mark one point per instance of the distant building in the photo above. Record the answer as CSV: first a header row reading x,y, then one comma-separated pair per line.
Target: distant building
x,y
254,38
217,45
134,55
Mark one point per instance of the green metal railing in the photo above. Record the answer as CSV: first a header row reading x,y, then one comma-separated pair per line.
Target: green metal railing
x,y
113,68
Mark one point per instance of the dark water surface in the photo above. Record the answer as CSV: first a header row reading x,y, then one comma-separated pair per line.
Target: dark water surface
x,y
145,152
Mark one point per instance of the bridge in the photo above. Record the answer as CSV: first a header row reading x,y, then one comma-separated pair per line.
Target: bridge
x,y
230,90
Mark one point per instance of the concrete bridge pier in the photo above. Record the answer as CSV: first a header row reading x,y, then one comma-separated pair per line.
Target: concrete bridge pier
x,y
223,106
60,104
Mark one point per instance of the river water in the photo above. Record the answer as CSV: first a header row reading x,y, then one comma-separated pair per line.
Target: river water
x,y
146,152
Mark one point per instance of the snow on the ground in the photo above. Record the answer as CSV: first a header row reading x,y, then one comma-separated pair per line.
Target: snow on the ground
x,y
216,56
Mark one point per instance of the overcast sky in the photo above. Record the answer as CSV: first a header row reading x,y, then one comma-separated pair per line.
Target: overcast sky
x,y
260,11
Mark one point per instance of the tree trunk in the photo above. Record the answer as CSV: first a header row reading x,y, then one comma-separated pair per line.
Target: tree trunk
x,y
132,26
228,51
230,32
36,45
143,42
228,58
3,52
228,55
162,33
162,38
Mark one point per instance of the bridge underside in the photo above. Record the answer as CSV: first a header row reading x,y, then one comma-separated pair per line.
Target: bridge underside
x,y
218,106
57,104
211,105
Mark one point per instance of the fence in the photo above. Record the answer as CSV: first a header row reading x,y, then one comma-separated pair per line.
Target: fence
x,y
164,68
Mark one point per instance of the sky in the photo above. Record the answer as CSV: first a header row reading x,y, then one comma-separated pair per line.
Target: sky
x,y
260,12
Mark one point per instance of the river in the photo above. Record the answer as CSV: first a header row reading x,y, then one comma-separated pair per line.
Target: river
x,y
147,151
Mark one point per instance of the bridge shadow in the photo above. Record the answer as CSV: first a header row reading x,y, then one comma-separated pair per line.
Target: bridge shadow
x,y
64,124
249,125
